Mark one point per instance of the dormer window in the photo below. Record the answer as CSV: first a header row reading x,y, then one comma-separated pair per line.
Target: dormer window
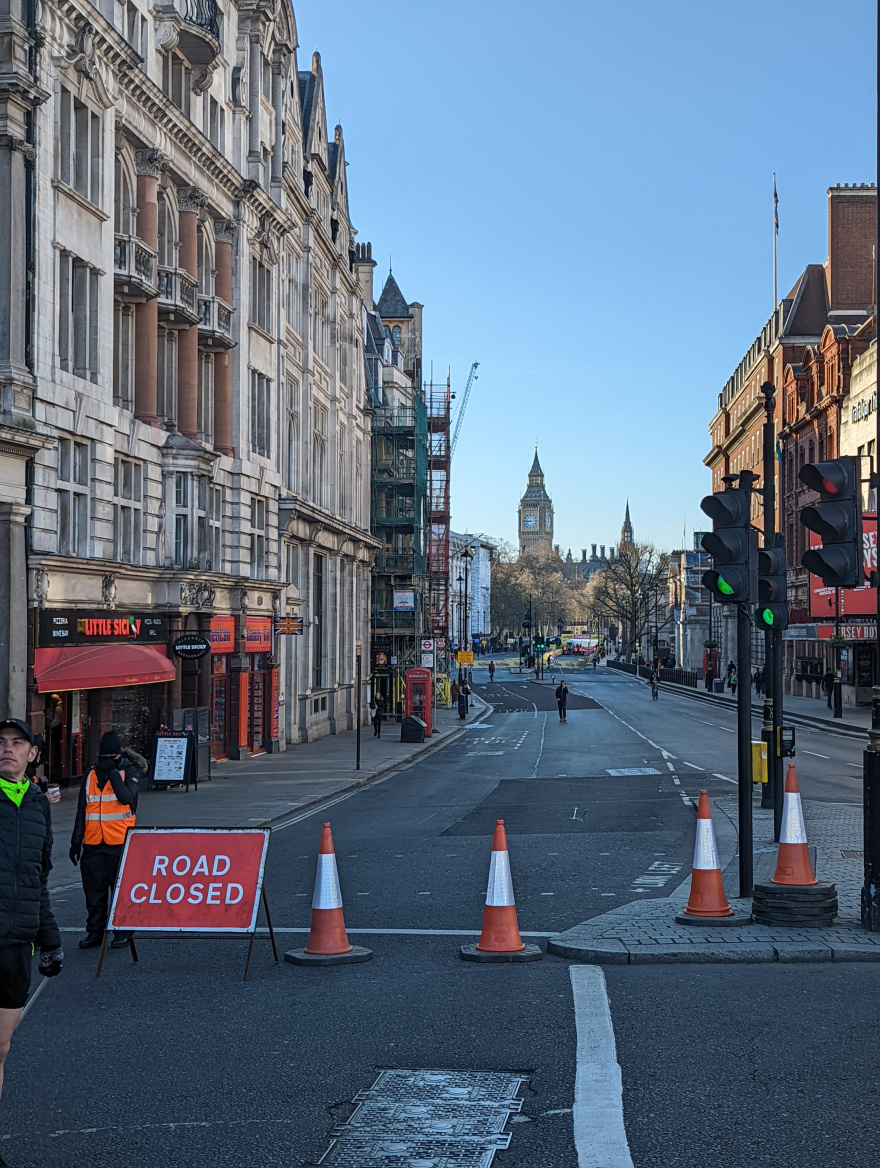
x,y
395,335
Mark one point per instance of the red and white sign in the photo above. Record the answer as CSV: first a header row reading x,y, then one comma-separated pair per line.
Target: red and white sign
x,y
853,601
190,880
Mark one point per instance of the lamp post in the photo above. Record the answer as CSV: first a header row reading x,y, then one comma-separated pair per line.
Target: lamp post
x,y
460,581
467,555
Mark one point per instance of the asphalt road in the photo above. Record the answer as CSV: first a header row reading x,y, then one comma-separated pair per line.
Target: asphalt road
x,y
177,1062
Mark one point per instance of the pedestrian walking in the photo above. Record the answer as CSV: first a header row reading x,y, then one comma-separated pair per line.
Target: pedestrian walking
x,y
562,700
828,685
377,711
730,669
26,918
106,810
731,681
491,671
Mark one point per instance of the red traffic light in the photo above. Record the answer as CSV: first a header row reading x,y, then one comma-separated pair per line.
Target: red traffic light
x,y
837,477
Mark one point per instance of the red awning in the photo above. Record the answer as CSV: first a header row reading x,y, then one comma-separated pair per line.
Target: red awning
x,y
100,666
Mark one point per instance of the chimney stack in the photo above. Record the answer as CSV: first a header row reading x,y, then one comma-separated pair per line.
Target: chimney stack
x,y
602,552
852,231
363,271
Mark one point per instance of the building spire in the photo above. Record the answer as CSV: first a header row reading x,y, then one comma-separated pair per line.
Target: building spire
x,y
626,531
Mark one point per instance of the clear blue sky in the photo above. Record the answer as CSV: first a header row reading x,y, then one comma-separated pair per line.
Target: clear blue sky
x,y
580,195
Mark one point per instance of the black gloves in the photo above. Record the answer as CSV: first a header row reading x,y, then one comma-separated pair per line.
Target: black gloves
x,y
51,961
75,853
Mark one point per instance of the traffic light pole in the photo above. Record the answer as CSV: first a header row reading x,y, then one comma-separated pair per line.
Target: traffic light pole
x,y
772,792
744,745
871,757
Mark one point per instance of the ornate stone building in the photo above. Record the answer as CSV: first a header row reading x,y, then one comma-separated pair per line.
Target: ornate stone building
x,y
184,437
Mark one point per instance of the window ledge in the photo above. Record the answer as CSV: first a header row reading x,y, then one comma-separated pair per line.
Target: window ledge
x,y
86,204
261,332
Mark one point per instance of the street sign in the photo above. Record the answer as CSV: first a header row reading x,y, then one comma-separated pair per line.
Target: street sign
x,y
190,880
289,626
464,657
191,646
170,761
427,646
427,661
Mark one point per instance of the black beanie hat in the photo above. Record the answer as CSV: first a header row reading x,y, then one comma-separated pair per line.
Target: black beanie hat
x,y
111,743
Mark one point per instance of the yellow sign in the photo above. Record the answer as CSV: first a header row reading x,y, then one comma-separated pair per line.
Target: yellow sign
x,y
759,762
464,657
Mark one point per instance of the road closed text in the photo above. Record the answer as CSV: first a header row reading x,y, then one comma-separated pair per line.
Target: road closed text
x,y
190,880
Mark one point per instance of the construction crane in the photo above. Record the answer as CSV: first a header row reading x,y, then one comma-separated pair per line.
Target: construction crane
x,y
459,417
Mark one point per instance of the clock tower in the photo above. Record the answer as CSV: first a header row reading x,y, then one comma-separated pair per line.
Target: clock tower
x,y
536,513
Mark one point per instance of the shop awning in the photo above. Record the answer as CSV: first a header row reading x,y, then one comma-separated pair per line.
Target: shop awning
x,y
100,666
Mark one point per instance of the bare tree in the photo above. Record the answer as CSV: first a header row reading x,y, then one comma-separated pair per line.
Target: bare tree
x,y
629,589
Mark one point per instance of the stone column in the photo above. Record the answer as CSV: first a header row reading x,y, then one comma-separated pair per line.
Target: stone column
x,y
13,610
278,106
189,202
224,236
148,163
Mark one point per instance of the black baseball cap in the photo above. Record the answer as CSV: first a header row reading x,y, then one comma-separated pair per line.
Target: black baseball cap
x,y
18,724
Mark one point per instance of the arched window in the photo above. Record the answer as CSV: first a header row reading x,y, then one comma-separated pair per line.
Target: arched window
x,y
395,334
167,250
123,210
206,264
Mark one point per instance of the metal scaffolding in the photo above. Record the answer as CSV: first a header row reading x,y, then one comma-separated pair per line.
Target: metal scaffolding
x,y
437,399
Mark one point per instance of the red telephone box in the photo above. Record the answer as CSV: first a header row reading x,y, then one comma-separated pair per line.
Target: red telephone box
x,y
419,695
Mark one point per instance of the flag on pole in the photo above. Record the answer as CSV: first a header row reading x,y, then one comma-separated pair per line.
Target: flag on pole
x,y
775,208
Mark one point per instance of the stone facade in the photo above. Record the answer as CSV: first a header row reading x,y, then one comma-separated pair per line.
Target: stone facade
x,y
184,378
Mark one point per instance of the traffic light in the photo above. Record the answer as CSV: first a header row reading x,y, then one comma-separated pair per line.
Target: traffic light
x,y
837,518
772,610
733,546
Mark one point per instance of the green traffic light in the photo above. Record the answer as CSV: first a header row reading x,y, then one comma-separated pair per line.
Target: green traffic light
x,y
767,616
724,587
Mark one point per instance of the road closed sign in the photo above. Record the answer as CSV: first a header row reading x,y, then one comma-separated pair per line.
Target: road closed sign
x,y
190,880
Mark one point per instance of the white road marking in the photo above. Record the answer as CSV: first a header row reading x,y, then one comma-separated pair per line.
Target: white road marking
x,y
671,766
597,1115
724,777
814,754
575,813
693,766
728,729
859,766
705,723
666,754
676,780
541,747
377,932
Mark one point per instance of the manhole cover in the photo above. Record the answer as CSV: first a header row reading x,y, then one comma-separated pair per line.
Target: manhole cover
x,y
427,1119
622,772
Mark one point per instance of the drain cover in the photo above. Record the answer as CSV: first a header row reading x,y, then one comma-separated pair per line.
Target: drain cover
x,y
427,1119
623,771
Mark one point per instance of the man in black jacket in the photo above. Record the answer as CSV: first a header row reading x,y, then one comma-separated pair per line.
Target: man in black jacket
x,y
562,700
25,862
107,806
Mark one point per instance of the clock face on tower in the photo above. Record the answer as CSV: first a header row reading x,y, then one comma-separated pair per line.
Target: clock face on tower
x,y
530,522
548,521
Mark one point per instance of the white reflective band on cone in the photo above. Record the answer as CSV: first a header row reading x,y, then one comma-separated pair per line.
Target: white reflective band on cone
x,y
328,894
793,830
705,852
500,889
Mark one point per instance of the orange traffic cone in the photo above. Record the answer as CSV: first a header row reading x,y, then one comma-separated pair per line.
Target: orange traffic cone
x,y
328,943
793,858
500,939
707,898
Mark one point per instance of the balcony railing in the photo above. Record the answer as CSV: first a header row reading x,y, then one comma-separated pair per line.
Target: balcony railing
x,y
403,417
400,511
203,14
215,323
178,303
134,268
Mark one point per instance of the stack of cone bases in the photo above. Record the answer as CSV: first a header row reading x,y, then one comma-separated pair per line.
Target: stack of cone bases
x,y
707,901
328,943
793,896
500,939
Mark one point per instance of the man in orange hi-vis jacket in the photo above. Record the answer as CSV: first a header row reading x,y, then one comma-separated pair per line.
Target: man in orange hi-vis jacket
x,y
106,810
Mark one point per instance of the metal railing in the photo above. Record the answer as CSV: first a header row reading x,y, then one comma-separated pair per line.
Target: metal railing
x,y
203,14
394,562
404,417
688,677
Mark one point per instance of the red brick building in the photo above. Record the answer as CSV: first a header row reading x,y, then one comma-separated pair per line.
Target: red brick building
x,y
814,333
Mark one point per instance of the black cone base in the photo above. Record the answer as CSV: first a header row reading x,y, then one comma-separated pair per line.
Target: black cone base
x,y
300,957
530,953
811,906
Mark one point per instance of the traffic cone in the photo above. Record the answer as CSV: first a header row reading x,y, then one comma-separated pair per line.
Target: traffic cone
x,y
500,939
328,943
707,898
793,858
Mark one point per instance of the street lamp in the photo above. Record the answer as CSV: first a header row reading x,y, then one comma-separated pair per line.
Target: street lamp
x,y
460,582
467,554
